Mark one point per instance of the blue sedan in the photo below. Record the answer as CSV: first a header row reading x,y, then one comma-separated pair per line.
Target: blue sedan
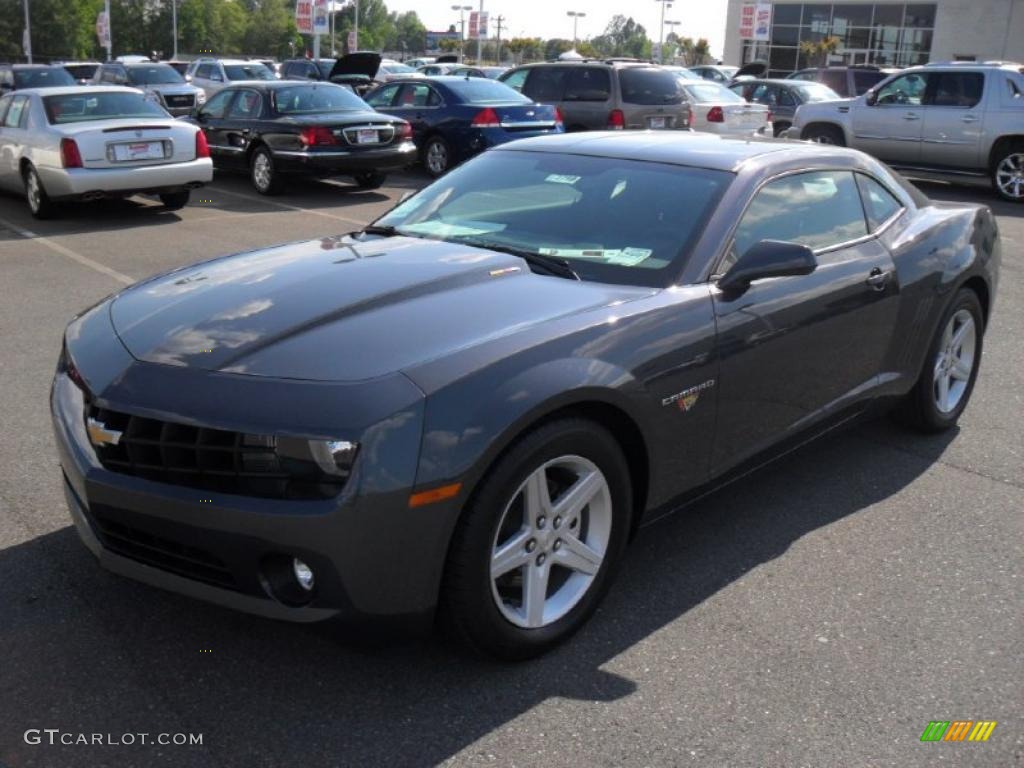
x,y
454,118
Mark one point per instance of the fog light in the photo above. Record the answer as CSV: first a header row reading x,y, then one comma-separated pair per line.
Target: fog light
x,y
303,574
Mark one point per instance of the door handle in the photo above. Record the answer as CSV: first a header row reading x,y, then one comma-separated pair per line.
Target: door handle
x,y
878,279
911,116
969,119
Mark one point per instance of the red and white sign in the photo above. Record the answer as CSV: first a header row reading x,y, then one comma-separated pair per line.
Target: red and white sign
x,y
478,25
748,13
304,16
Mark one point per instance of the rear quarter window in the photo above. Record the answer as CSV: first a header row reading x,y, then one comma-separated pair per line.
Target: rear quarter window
x,y
647,85
546,84
588,84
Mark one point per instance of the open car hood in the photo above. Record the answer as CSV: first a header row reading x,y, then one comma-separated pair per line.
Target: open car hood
x,y
360,63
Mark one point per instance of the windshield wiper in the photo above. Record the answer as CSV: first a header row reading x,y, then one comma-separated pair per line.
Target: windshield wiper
x,y
552,265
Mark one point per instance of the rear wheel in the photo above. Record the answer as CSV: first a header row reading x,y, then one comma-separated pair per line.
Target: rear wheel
x,y
437,156
1008,174
174,201
536,548
39,203
370,180
779,128
825,134
263,174
951,366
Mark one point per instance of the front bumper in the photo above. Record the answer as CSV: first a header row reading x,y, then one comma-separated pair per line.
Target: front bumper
x,y
374,558
77,182
344,161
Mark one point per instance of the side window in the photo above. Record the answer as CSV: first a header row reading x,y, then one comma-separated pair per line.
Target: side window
x,y
763,94
384,97
880,204
203,71
545,84
414,96
247,106
836,80
217,106
786,98
864,79
516,79
5,102
14,113
588,84
810,75
820,209
904,90
956,89
286,70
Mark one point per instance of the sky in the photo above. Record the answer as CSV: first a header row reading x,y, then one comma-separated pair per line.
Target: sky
x,y
547,18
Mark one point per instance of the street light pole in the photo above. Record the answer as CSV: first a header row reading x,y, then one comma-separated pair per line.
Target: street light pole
x,y
661,31
174,27
27,35
576,16
355,30
479,39
462,26
671,25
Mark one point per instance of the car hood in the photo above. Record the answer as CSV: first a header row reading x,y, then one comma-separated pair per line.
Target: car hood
x,y
753,69
356,64
338,309
171,89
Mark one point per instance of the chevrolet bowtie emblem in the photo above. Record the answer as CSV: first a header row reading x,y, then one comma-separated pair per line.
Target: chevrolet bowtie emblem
x,y
99,435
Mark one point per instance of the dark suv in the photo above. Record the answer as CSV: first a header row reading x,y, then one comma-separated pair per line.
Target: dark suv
x,y
846,81
598,95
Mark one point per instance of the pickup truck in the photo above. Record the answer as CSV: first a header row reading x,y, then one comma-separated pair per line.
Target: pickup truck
x,y
960,122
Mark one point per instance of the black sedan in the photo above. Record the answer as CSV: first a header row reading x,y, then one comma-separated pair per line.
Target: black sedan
x,y
277,130
454,118
472,404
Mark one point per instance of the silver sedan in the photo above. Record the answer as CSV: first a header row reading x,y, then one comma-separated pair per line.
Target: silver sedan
x,y
86,143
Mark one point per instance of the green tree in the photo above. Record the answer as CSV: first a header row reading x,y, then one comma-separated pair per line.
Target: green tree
x,y
554,47
817,52
623,37
406,33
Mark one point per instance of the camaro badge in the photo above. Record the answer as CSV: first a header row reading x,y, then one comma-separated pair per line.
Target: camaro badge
x,y
688,397
99,435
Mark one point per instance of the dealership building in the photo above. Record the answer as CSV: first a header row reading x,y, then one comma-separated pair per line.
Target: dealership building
x,y
889,34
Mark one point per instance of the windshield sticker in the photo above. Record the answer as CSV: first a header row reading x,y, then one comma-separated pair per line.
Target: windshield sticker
x,y
560,178
623,257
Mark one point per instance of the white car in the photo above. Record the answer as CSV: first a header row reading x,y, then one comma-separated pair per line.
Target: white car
x,y
89,142
716,109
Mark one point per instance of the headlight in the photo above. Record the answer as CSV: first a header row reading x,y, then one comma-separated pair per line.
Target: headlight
x,y
323,461
200,98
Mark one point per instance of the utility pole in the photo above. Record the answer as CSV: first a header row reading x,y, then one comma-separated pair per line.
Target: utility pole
x,y
355,29
462,27
500,21
672,25
110,29
479,40
661,30
174,26
26,39
576,16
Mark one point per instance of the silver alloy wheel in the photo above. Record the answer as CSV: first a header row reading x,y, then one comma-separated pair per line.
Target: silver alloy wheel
x,y
261,171
547,551
33,191
954,361
437,157
1010,175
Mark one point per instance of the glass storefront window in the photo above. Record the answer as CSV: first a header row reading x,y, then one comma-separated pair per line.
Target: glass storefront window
x,y
920,15
889,14
851,16
785,35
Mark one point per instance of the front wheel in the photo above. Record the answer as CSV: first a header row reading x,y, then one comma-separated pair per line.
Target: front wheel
x,y
951,366
825,134
39,203
370,180
536,548
1008,174
174,201
437,156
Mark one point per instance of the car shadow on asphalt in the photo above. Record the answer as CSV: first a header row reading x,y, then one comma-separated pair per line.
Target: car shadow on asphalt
x,y
268,693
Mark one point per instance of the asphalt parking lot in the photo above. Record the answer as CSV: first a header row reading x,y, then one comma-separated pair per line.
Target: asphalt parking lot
x,y
818,613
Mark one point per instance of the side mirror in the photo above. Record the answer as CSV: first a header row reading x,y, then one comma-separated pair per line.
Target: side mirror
x,y
768,258
871,98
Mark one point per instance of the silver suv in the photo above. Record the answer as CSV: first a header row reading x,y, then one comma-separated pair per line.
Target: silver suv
x,y
599,95
213,74
960,122
160,82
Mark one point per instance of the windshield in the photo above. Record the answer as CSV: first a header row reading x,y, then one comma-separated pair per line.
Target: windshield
x,y
316,99
154,74
397,69
109,105
613,220
815,92
81,71
647,85
325,66
704,93
479,90
254,71
42,78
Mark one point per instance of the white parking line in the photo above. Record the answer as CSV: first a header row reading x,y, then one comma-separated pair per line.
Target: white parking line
x,y
65,251
285,206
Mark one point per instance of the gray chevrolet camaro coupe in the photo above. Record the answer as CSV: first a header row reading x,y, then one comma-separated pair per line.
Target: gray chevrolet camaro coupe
x,y
466,409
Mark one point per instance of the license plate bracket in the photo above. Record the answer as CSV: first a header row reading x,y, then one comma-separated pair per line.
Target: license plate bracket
x,y
367,136
130,151
659,122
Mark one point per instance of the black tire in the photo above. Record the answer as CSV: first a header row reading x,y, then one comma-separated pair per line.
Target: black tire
x,y
39,203
825,134
269,184
919,409
778,128
469,609
370,179
174,201
1008,173
437,156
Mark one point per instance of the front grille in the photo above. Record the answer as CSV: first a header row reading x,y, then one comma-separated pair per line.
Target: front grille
x,y
161,552
180,102
206,459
